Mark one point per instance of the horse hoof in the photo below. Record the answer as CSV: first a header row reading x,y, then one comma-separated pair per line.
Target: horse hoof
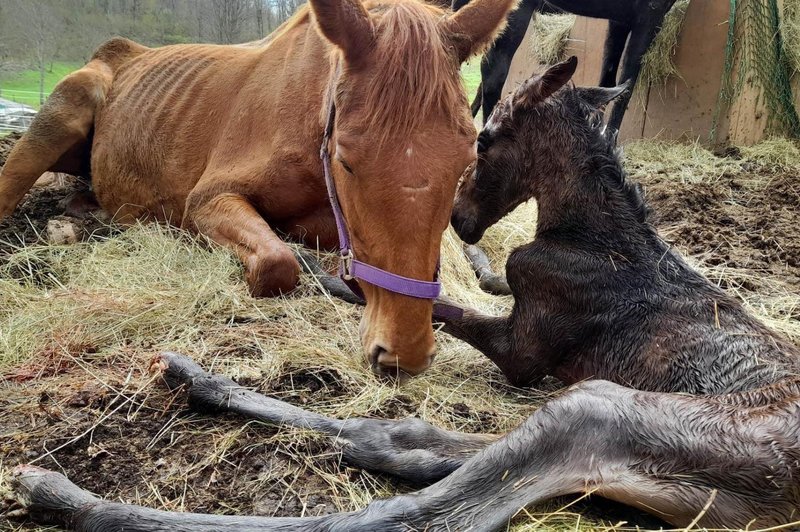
x,y
273,276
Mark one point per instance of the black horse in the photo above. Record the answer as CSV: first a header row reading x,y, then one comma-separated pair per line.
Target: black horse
x,y
638,19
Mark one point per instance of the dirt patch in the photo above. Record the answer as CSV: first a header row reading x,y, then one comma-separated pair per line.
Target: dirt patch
x,y
146,448
745,221
28,223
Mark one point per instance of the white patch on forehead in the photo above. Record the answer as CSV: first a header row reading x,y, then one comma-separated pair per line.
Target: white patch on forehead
x,y
409,151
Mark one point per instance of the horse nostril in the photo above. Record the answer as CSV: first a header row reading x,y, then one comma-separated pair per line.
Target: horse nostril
x,y
375,355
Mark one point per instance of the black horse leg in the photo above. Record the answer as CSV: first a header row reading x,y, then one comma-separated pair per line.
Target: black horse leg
x,y
475,106
489,281
497,61
615,45
411,448
641,38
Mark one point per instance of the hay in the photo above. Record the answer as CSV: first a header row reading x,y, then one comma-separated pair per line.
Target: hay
x,y
693,163
550,37
688,163
790,32
657,63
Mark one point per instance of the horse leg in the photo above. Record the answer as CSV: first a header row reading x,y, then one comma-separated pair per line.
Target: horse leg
x,y
230,219
58,138
489,281
615,45
495,65
411,448
641,38
475,106
667,454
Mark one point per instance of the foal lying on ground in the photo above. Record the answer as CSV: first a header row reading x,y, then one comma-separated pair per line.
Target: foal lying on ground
x,y
597,294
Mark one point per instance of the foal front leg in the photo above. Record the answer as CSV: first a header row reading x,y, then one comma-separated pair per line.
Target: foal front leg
x,y
411,448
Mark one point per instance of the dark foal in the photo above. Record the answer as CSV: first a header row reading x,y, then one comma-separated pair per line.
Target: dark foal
x,y
638,19
598,294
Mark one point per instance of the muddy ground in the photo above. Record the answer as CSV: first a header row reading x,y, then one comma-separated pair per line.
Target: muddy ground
x,y
145,438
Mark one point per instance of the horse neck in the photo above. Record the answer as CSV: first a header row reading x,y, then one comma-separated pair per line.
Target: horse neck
x,y
590,201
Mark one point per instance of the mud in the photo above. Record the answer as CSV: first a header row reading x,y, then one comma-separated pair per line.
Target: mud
x,y
746,221
28,223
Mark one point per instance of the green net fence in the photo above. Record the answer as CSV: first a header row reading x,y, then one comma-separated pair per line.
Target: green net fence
x,y
758,53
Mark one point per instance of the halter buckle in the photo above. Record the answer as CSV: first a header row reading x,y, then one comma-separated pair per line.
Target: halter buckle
x,y
346,263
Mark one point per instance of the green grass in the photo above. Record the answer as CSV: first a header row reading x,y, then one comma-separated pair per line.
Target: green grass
x,y
23,87
471,75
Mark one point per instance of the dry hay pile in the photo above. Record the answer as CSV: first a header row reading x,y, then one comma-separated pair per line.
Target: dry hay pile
x,y
657,62
79,325
551,36
550,40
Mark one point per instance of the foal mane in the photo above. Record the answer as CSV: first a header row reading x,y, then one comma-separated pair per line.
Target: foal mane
x,y
607,162
414,72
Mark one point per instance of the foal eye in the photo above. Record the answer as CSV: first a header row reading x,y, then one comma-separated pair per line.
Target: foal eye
x,y
483,143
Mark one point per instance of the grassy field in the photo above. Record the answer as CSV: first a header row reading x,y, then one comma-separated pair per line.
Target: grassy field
x,y
471,74
23,87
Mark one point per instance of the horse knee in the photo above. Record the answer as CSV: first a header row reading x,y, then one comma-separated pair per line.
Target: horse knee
x,y
589,406
272,272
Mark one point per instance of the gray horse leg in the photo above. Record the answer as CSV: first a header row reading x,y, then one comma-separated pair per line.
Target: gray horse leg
x,y
411,448
489,281
674,456
333,285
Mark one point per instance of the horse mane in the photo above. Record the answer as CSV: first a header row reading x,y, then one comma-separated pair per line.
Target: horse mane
x,y
414,74
607,161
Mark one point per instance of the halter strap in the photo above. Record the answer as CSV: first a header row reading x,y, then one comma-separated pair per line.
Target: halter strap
x,y
351,268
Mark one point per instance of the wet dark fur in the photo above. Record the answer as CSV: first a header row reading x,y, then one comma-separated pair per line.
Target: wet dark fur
x,y
598,294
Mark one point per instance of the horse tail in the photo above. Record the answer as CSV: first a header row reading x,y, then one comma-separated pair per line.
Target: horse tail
x,y
59,138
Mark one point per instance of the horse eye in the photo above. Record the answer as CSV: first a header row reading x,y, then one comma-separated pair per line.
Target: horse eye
x,y
346,166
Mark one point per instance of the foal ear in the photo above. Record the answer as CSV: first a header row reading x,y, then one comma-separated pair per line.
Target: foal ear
x,y
474,27
346,24
599,97
539,88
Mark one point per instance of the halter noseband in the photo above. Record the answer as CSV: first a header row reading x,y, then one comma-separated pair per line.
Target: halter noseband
x,y
351,268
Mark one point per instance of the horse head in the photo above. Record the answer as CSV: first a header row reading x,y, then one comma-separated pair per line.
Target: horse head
x,y
401,138
534,142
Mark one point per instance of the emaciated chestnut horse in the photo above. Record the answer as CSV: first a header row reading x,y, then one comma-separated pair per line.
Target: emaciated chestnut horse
x,y
225,140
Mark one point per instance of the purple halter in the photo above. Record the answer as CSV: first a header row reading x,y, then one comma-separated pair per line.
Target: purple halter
x,y
351,268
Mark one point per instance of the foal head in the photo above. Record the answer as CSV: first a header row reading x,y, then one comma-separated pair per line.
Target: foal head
x,y
402,137
535,141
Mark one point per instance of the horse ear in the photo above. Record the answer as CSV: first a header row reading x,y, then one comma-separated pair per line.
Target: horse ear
x,y
346,24
599,97
539,88
475,26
